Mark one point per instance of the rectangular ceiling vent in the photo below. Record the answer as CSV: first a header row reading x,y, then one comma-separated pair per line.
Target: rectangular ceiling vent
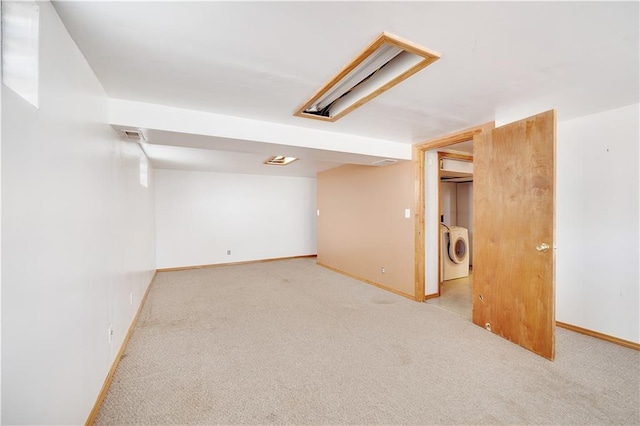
x,y
380,66
279,160
385,162
133,135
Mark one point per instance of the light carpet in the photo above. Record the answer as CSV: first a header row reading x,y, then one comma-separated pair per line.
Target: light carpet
x,y
289,342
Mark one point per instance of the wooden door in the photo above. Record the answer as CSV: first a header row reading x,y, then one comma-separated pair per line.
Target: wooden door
x,y
514,232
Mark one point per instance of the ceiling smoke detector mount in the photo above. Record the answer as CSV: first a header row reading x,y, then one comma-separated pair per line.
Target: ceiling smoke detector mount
x,y
380,66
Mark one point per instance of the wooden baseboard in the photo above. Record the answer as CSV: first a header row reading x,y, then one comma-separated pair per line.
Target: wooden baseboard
x,y
384,287
617,341
431,296
107,382
246,262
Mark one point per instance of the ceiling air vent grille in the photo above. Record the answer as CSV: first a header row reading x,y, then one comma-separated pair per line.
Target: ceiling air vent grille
x,y
385,162
133,135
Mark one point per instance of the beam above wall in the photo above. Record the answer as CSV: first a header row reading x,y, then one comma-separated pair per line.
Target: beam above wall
x,y
160,117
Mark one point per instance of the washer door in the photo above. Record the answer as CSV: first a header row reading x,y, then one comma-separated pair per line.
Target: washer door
x,y
458,249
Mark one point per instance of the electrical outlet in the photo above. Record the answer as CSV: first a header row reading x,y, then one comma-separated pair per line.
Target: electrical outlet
x,y
383,270
228,252
131,298
110,333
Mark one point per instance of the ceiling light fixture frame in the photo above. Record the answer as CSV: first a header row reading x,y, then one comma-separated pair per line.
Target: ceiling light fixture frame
x,y
423,58
279,160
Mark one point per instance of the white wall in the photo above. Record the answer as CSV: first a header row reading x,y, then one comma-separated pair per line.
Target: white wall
x,y
201,215
448,203
598,195
1,94
78,238
431,223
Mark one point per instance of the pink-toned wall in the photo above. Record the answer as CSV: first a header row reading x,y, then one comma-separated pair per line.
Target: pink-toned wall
x,y
362,226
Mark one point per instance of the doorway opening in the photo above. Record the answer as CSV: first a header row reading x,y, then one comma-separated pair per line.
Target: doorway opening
x,y
428,234
514,216
454,213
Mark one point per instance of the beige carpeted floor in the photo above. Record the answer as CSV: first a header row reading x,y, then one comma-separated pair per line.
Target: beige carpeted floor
x,y
290,342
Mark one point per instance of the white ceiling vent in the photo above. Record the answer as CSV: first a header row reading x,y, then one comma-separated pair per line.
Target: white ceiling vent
x,y
385,162
133,135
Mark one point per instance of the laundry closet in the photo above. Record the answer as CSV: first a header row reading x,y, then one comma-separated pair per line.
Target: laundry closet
x,y
456,208
456,215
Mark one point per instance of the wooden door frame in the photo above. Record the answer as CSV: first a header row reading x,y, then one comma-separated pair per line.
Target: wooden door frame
x,y
419,151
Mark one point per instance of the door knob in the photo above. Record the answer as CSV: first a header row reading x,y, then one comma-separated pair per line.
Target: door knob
x,y
542,247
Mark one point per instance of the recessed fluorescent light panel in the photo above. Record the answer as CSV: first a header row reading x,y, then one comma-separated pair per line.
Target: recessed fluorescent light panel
x,y
279,160
380,66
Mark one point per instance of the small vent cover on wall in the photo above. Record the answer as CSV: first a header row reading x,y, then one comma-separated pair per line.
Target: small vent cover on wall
x,y
133,135
385,162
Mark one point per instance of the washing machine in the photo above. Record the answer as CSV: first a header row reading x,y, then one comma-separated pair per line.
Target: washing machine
x,y
454,257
